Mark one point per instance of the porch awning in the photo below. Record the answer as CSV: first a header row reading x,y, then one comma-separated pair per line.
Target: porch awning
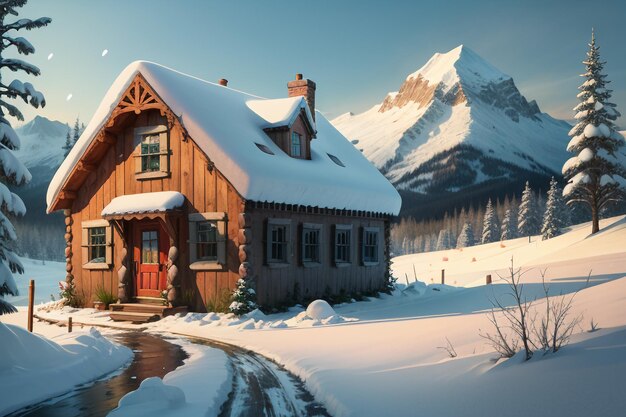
x,y
145,203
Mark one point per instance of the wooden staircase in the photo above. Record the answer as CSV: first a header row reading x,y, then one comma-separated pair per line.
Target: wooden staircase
x,y
141,312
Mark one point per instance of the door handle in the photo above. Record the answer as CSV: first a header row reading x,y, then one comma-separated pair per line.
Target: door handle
x,y
135,267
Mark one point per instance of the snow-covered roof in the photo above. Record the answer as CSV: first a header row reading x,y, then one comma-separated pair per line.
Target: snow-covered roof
x,y
157,202
228,124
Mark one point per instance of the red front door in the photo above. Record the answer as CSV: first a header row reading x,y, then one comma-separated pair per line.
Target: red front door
x,y
151,244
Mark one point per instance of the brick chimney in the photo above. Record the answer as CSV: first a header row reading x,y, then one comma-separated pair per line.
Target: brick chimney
x,y
223,81
305,88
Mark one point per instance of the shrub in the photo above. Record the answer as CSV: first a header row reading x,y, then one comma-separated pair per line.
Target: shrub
x,y
106,297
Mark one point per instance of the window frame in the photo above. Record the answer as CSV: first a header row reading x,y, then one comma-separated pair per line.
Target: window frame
x,y
309,227
221,221
86,246
365,231
164,152
299,145
273,223
341,228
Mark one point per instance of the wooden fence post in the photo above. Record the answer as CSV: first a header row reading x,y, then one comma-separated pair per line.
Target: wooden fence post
x,y
488,280
31,301
69,324
443,276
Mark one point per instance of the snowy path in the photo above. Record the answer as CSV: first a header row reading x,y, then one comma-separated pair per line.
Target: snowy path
x,y
263,388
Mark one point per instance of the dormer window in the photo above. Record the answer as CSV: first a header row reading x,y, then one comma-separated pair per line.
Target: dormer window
x,y
296,145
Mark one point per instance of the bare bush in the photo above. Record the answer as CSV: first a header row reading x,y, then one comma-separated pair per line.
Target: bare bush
x,y
522,326
449,349
593,326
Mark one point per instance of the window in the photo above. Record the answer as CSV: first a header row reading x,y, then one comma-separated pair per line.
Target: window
x,y
96,244
311,238
152,152
370,246
278,242
296,145
150,247
342,244
207,241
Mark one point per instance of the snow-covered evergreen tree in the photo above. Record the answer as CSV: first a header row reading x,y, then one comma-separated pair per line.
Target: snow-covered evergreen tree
x,y
597,174
67,147
554,216
12,171
528,218
444,241
466,237
76,132
244,298
509,224
490,225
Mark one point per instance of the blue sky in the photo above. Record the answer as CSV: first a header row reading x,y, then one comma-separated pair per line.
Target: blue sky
x,y
356,51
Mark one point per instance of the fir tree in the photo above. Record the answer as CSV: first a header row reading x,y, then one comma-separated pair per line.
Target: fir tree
x,y
527,218
509,224
553,220
12,171
597,174
243,298
466,238
76,132
443,241
490,226
68,144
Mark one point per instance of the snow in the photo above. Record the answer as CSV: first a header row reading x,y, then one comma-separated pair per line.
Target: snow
x,y
585,155
46,276
460,64
198,388
155,202
601,131
12,167
281,112
220,120
320,310
34,368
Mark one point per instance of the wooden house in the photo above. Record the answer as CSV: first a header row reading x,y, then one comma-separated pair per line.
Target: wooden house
x,y
178,187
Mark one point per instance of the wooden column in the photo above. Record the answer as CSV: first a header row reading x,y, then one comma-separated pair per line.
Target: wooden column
x,y
173,277
123,274
69,276
246,270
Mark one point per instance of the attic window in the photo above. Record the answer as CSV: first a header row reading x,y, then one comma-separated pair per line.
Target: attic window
x,y
264,148
335,160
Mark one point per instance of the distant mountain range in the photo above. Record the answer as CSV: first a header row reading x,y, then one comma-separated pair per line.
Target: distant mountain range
x,y
458,130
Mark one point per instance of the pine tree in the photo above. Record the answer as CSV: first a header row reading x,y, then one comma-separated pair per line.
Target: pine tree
x,y
68,144
597,174
243,298
443,241
527,218
12,171
509,224
76,132
466,238
490,226
553,220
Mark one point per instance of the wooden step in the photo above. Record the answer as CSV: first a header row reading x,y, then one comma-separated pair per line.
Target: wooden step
x,y
138,308
133,317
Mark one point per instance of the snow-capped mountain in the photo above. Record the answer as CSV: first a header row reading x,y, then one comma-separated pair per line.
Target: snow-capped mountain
x,y
457,123
42,144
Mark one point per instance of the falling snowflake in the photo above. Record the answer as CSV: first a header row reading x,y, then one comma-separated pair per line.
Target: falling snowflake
x,y
69,97
106,51
50,56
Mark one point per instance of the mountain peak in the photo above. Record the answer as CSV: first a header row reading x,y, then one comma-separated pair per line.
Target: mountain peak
x,y
460,64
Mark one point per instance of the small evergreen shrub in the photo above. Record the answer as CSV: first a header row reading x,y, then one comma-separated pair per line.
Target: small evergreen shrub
x,y
243,298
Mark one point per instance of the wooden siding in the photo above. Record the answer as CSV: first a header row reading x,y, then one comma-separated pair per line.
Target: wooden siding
x,y
282,137
278,285
206,190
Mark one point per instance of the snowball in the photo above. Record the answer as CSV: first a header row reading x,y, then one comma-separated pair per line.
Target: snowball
x,y
585,155
319,310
